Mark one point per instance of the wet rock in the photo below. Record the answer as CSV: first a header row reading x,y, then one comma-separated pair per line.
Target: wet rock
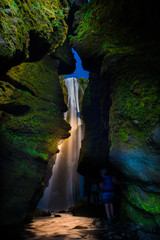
x,y
65,57
62,211
80,227
118,230
156,135
41,213
57,215
140,201
96,222
133,161
147,236
82,208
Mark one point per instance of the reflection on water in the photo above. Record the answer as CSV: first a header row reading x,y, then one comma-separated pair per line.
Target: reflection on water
x,y
65,227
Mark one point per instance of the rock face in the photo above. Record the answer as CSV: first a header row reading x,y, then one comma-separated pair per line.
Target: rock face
x,y
31,100
118,43
30,29
31,126
95,144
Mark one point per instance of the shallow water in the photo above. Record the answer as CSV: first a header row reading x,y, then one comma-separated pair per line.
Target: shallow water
x,y
65,227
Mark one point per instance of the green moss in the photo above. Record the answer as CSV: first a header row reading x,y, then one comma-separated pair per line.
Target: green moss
x,y
34,131
83,82
141,207
29,138
141,218
135,97
131,61
112,30
102,28
149,202
64,89
19,18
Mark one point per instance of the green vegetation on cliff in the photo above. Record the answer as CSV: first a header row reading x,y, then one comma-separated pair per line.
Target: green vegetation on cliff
x,y
118,41
31,126
31,22
115,32
102,29
135,97
45,116
150,202
130,213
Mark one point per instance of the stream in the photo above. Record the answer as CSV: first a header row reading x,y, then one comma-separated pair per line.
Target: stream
x,y
60,227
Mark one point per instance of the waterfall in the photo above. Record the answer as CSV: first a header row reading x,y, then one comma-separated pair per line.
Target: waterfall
x,y
65,185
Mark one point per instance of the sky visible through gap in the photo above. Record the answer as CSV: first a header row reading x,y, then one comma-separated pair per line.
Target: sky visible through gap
x,y
79,71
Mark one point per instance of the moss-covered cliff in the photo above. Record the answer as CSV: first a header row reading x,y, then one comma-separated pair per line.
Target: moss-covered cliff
x,y
119,44
29,29
31,126
31,100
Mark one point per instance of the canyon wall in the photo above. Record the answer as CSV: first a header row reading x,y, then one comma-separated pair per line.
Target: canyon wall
x,y
33,52
118,43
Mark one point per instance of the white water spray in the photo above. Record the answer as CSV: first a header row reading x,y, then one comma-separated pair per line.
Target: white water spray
x,y
65,185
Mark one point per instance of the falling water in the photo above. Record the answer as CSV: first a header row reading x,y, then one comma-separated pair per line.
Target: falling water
x,y
64,187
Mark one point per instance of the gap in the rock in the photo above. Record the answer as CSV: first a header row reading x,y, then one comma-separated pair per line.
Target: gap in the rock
x,y
79,71
66,185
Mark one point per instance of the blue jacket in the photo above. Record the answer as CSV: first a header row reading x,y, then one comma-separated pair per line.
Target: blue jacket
x,y
108,184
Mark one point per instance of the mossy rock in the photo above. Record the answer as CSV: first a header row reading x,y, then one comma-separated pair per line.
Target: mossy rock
x,y
30,29
130,213
148,201
135,99
29,136
113,28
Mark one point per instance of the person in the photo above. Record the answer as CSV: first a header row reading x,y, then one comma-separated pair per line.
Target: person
x,y
107,192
